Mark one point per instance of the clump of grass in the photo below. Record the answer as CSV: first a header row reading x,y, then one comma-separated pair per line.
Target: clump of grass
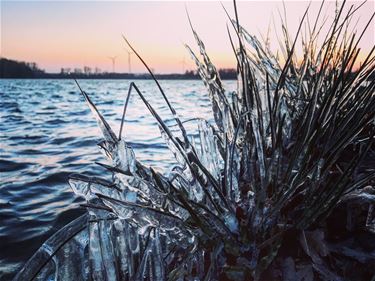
x,y
253,197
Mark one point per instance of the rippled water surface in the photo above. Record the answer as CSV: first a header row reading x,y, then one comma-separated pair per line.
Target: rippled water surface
x,y
47,133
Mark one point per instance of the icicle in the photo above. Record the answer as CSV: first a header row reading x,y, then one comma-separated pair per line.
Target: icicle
x,y
121,249
107,250
157,258
96,262
143,268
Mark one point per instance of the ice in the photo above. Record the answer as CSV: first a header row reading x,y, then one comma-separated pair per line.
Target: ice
x,y
131,197
157,258
95,255
81,188
231,222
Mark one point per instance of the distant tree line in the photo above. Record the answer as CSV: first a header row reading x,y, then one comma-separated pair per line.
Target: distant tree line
x,y
17,69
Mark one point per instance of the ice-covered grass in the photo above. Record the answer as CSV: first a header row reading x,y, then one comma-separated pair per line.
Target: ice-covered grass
x,y
252,197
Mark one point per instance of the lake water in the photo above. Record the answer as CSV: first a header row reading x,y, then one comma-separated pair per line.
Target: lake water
x,y
47,132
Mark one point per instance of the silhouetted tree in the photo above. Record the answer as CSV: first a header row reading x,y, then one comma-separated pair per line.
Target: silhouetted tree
x,y
16,69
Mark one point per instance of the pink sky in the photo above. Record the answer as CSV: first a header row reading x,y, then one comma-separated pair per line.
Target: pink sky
x,y
58,34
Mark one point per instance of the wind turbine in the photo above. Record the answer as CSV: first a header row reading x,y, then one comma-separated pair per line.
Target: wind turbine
x,y
129,59
113,59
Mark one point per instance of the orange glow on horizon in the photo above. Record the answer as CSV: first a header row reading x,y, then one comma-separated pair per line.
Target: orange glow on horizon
x,y
76,34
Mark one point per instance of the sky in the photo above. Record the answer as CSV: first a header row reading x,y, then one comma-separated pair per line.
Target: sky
x,y
72,34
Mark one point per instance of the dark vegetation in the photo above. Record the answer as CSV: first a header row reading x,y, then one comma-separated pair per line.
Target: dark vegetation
x,y
15,69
